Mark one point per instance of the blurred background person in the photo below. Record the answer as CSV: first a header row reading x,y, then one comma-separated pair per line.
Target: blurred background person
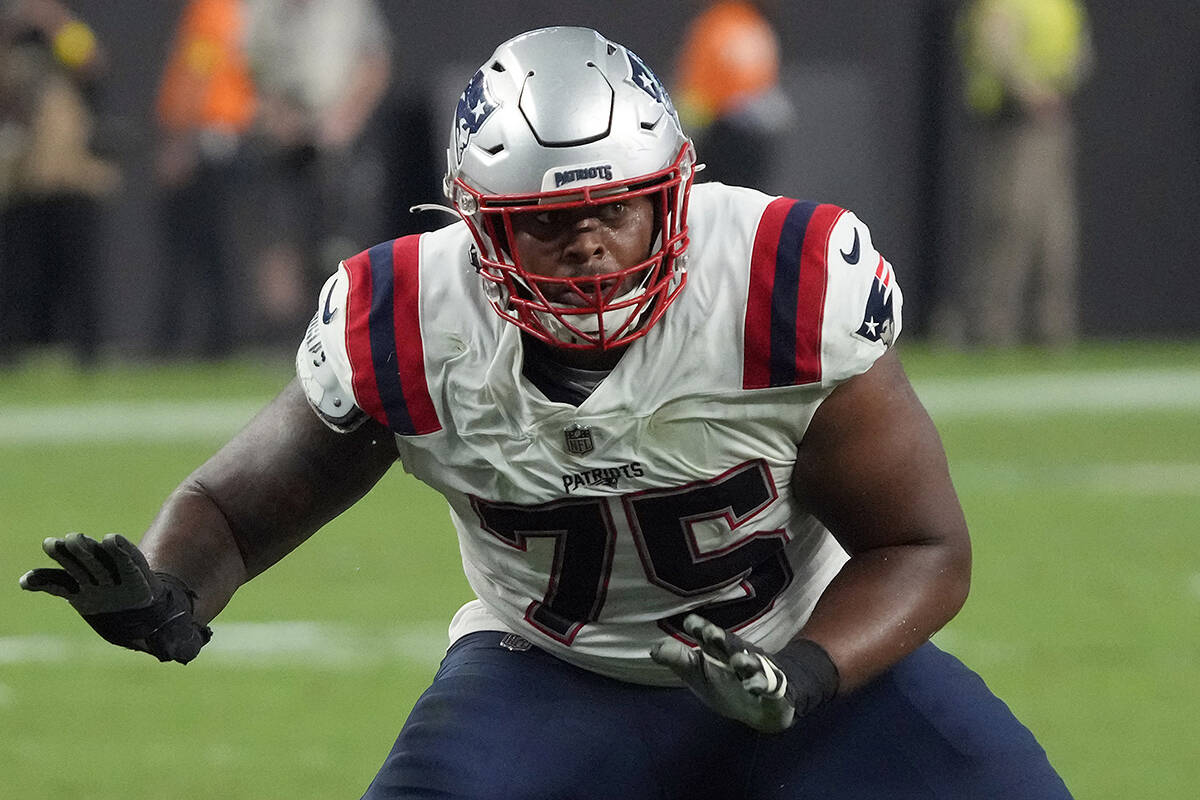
x,y
727,91
321,69
1022,61
205,108
52,180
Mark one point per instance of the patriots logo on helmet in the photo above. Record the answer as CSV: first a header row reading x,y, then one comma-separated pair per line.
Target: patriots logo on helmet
x,y
474,107
648,82
878,324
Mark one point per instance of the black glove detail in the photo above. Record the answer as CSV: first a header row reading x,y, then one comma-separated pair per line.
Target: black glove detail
x,y
165,628
113,588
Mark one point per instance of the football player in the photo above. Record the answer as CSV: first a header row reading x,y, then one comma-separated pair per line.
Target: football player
x,y
709,526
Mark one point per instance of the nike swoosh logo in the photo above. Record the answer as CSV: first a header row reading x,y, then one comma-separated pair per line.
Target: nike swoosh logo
x,y
328,313
852,256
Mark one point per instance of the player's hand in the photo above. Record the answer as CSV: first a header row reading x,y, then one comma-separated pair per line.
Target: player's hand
x,y
113,588
740,681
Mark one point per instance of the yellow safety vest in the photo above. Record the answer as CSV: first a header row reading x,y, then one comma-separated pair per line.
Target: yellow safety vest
x,y
1046,46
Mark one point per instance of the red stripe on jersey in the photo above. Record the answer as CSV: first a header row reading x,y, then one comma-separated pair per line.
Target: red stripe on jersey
x,y
383,337
358,336
810,304
786,302
409,346
883,273
756,372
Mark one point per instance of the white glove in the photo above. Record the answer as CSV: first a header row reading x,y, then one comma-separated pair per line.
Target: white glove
x,y
740,681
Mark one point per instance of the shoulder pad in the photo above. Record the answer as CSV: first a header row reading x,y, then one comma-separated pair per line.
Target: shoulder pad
x,y
321,361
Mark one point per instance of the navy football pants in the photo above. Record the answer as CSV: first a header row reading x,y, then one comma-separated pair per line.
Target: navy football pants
x,y
498,724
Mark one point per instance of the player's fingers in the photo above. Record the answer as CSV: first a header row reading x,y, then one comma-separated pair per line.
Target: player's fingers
x,y
759,675
693,624
713,641
129,561
757,684
52,581
745,665
756,675
689,663
88,552
58,550
703,631
681,659
184,647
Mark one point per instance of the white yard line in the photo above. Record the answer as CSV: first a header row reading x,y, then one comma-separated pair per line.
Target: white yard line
x,y
162,421
1175,479
1021,395
946,398
317,645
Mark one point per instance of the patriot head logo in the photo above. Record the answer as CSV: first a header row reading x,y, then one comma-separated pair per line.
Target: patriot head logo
x,y
648,82
878,324
474,107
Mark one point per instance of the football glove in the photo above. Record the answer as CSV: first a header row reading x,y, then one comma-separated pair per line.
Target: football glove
x,y
113,588
741,681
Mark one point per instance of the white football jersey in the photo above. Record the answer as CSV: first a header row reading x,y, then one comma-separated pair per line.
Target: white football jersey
x,y
592,530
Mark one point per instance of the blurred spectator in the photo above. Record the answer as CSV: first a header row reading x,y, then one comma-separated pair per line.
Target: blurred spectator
x,y
727,92
205,108
51,180
321,69
1022,60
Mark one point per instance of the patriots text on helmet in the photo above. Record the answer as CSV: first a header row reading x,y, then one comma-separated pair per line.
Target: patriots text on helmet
x,y
602,171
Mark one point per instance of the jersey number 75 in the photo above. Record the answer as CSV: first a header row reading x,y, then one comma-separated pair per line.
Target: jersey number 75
x,y
661,521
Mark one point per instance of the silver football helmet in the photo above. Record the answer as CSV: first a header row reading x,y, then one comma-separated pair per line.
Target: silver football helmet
x,y
562,118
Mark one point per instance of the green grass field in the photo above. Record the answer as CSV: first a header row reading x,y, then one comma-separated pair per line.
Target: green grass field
x,y
1079,473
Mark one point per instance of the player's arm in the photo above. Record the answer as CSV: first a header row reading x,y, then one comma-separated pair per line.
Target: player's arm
x,y
274,484
261,495
872,468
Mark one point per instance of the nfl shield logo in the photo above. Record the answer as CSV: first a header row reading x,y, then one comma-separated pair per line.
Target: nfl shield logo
x,y
578,440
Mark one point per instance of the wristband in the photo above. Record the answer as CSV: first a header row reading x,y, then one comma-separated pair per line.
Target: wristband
x,y
812,677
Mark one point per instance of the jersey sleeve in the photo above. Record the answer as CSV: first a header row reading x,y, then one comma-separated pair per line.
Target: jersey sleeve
x,y
822,304
322,362
384,349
